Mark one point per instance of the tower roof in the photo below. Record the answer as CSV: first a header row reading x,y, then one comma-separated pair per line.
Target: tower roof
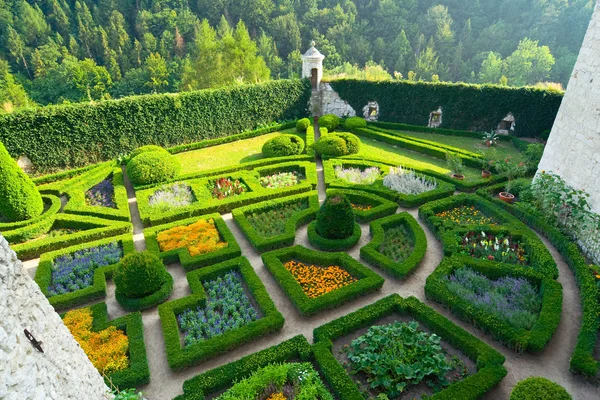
x,y
313,53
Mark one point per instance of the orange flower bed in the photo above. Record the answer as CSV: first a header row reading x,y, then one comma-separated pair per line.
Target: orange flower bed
x,y
106,349
316,280
361,207
200,238
277,396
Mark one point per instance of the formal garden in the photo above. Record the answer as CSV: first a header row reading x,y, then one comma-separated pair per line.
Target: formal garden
x,y
326,259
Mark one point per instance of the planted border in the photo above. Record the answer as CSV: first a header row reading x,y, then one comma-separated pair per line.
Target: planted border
x,y
326,244
183,357
36,225
368,281
518,339
370,254
189,262
381,207
43,274
490,370
262,243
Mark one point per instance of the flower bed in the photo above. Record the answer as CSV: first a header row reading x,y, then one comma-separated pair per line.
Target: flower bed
x,y
367,206
318,280
361,207
398,243
222,188
357,176
466,215
280,180
102,194
198,238
408,182
171,197
272,222
501,248
227,307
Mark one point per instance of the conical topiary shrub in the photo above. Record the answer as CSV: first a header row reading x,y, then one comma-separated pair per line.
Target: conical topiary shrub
x,y
19,198
335,219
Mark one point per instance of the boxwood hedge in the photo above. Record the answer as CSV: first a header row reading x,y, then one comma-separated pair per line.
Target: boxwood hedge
x,y
326,244
380,207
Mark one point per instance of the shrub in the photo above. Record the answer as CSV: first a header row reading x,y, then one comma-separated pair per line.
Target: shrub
x,y
283,146
147,149
355,122
139,275
454,163
152,167
537,388
19,198
335,219
329,121
534,153
338,144
302,124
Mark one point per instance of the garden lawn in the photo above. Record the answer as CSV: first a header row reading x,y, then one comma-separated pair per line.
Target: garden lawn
x,y
371,148
229,154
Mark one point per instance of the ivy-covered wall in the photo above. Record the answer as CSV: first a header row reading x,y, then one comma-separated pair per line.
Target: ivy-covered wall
x,y
69,136
465,106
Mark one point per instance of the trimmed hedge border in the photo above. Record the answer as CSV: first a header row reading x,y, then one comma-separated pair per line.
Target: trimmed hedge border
x,y
539,388
381,207
63,182
188,262
43,274
443,190
582,359
520,340
152,300
138,373
439,131
57,176
490,370
183,357
326,244
38,224
368,281
400,270
262,243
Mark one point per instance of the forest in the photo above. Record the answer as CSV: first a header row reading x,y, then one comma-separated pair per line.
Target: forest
x,y
60,51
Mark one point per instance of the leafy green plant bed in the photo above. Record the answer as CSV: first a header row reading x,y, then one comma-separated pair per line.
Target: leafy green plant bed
x,y
398,245
206,340
77,275
375,341
194,242
272,224
316,281
366,206
517,306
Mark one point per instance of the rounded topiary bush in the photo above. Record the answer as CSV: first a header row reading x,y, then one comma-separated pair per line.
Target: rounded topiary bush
x,y
329,121
152,167
355,123
337,144
335,219
139,275
283,146
537,388
147,149
302,124
352,142
19,198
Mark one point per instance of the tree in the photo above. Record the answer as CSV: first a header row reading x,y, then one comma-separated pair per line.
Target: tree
x,y
268,51
12,94
529,63
158,73
427,63
202,70
16,47
491,68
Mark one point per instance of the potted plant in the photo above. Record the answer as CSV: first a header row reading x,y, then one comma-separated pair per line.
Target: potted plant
x,y
455,165
490,138
511,170
487,160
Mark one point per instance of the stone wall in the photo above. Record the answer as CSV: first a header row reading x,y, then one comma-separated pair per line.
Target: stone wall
x,y
332,103
573,149
62,371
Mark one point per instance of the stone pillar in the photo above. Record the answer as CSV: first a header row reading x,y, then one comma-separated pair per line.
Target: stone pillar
x,y
62,371
313,60
573,149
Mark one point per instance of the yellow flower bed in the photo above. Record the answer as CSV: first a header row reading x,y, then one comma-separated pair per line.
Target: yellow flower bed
x,y
200,238
317,281
277,396
106,349
466,215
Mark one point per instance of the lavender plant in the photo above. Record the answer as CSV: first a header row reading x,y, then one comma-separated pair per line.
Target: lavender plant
x,y
280,180
514,300
75,271
169,197
101,195
408,182
227,307
272,222
358,176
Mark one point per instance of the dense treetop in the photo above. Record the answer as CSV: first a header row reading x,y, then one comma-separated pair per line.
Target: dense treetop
x,y
52,51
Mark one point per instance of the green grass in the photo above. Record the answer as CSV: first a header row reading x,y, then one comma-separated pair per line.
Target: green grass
x,y
374,149
229,154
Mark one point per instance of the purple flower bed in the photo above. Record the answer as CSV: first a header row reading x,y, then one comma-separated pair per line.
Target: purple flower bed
x,y
514,300
227,307
102,195
75,271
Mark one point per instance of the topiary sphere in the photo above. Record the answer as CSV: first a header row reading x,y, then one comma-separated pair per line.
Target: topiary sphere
x,y
283,146
147,149
152,167
329,121
355,123
139,275
335,219
352,142
537,388
302,124
331,145
19,198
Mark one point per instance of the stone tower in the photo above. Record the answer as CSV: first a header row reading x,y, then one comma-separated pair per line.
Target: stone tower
x,y
312,66
573,149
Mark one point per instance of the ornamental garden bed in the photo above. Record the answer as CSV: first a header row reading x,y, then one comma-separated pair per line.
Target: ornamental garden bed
x,y
272,224
315,281
398,245
51,207
77,275
366,206
194,242
229,307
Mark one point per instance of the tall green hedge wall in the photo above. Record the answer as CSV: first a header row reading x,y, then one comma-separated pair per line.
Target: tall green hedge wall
x,y
465,106
69,136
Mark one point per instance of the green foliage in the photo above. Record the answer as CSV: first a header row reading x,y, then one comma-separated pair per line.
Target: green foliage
x,y
534,153
538,388
139,275
303,124
147,149
19,198
355,122
329,121
335,219
326,244
337,144
153,167
371,206
454,163
283,146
